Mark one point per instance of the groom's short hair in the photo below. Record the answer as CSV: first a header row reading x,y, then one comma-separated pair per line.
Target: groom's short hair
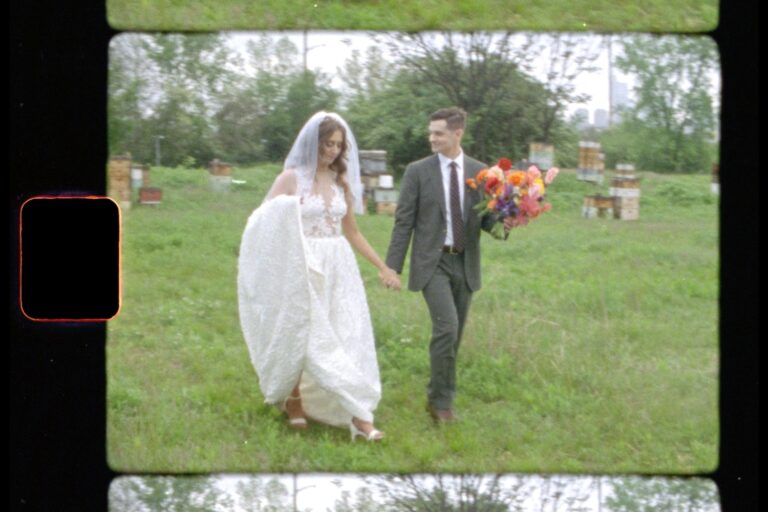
x,y
454,117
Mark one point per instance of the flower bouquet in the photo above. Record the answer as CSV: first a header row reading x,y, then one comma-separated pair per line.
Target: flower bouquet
x,y
512,193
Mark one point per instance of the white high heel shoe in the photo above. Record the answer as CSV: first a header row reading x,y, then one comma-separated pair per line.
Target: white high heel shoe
x,y
373,435
295,423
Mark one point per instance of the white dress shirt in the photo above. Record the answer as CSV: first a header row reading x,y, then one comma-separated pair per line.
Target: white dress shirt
x,y
445,170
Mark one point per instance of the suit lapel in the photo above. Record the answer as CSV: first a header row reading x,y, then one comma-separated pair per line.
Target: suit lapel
x,y
469,201
435,176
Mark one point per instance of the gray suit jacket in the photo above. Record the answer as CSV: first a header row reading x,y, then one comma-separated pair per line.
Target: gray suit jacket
x,y
421,213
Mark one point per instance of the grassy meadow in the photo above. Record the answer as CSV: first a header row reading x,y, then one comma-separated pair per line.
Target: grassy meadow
x,y
587,15
591,348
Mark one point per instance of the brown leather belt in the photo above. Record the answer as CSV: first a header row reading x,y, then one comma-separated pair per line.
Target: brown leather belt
x,y
450,250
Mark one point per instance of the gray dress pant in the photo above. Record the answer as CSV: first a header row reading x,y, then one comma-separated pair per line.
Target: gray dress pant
x,y
448,298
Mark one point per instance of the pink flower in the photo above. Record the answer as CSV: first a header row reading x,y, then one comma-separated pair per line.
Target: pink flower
x,y
529,206
551,175
533,174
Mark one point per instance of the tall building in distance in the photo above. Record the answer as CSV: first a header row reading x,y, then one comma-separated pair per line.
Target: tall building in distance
x,y
601,118
619,99
582,114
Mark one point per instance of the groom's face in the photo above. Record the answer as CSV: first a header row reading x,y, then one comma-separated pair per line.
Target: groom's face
x,y
443,139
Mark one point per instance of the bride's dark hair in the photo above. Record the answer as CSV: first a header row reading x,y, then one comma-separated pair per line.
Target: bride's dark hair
x,y
327,128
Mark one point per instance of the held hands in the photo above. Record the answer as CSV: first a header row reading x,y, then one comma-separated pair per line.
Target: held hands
x,y
390,279
508,224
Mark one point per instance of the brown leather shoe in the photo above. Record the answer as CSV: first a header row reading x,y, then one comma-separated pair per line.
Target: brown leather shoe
x,y
441,415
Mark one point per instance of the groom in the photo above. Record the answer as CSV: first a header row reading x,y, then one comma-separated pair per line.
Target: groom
x,y
435,206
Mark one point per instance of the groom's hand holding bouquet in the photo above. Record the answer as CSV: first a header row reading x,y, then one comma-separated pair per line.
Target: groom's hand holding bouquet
x,y
516,196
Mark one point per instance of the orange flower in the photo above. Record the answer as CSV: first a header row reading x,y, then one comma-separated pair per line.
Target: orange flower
x,y
516,178
482,174
471,183
499,190
492,204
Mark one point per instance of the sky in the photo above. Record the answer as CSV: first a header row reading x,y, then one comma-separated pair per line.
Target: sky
x,y
328,50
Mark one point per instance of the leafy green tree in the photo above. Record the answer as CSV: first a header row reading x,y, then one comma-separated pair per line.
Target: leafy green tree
x,y
167,494
472,71
245,121
186,132
165,88
365,76
261,114
489,75
641,494
129,130
363,501
673,122
240,132
196,63
190,72
566,56
448,493
278,497
394,117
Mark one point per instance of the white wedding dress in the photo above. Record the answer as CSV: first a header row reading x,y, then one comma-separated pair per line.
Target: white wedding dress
x,y
303,309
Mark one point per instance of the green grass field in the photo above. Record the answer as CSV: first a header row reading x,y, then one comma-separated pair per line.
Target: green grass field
x,y
592,347
590,15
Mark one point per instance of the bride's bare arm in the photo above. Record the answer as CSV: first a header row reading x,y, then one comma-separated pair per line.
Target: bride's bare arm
x,y
285,183
358,242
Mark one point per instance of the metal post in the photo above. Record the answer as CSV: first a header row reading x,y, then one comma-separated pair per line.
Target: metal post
x,y
610,83
307,49
157,149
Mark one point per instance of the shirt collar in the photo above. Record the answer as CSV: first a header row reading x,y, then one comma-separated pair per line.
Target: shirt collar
x,y
444,160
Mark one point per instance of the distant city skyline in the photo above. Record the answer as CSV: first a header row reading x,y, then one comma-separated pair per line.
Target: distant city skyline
x,y
598,117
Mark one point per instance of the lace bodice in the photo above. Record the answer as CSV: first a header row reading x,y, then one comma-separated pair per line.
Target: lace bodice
x,y
320,218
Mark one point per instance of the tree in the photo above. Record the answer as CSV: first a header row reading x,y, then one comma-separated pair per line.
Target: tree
x,y
129,100
363,501
260,117
446,493
189,73
364,77
167,494
394,117
472,71
673,120
187,133
168,86
642,494
567,56
562,493
491,76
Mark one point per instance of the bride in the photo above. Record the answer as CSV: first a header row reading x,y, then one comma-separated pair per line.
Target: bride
x,y
302,304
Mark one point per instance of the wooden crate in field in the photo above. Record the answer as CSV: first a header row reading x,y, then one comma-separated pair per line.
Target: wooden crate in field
x,y
597,206
150,195
626,208
386,207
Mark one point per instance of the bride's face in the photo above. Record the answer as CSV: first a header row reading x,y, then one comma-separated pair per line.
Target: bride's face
x,y
331,147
